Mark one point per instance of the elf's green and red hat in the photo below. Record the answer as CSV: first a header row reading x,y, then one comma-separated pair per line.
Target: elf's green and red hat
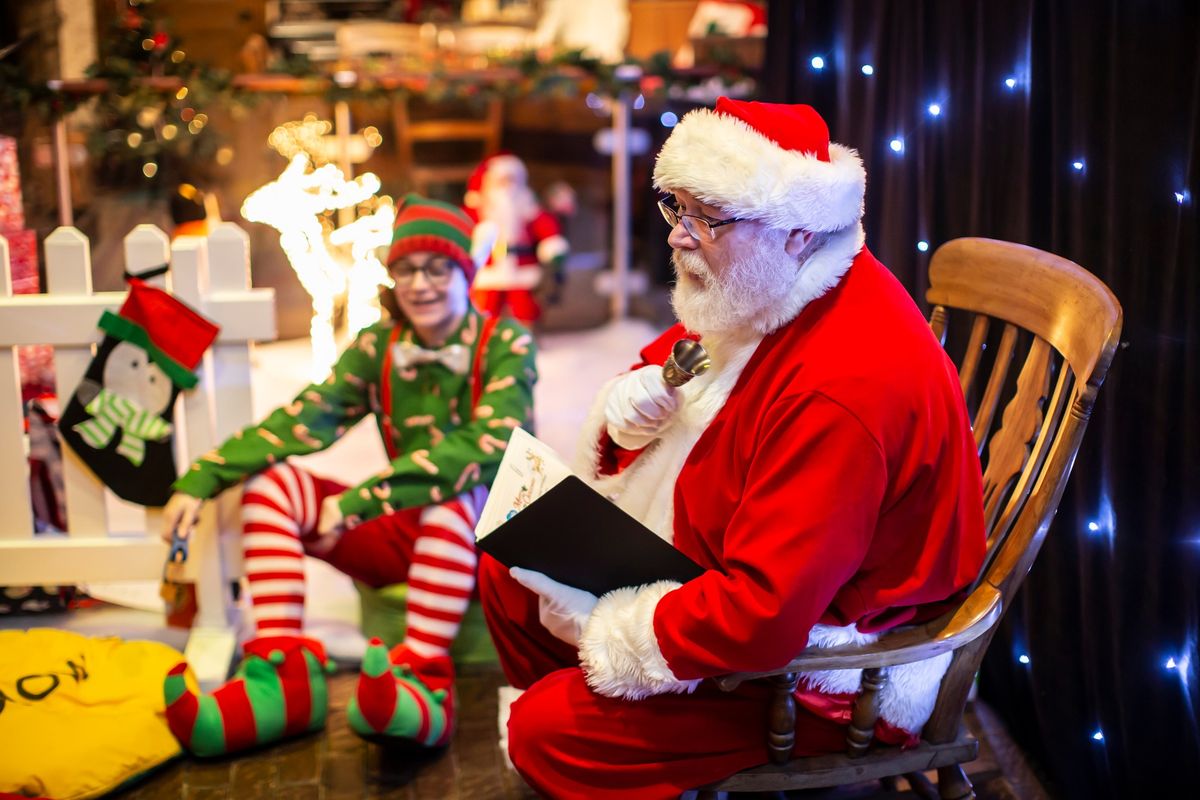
x,y
424,225
172,333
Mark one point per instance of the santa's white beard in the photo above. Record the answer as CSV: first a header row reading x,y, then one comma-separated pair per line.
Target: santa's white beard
x,y
739,298
511,210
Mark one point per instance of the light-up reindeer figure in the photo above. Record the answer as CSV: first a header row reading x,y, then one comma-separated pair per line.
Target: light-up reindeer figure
x,y
365,236
295,204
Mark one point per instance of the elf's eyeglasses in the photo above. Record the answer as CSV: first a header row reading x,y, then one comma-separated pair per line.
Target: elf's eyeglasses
x,y
437,272
698,227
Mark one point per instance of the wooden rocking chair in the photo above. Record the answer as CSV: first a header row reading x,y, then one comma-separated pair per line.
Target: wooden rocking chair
x,y
1062,325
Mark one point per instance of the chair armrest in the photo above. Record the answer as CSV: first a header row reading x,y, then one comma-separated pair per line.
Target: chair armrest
x,y
978,613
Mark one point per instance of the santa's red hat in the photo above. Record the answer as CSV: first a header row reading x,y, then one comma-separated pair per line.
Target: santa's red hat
x,y
767,161
503,161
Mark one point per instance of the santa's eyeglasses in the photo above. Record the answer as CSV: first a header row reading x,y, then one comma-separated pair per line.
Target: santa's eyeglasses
x,y
698,227
437,271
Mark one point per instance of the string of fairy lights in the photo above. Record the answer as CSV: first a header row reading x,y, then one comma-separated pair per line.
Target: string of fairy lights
x,y
1103,525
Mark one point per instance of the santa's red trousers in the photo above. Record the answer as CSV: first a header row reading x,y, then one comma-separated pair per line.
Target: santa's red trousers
x,y
569,742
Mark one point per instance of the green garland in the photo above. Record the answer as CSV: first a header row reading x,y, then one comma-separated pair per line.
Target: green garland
x,y
150,128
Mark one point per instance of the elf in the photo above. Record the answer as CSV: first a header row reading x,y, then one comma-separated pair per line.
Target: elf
x,y
446,386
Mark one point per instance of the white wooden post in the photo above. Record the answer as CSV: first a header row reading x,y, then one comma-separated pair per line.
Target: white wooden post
x,y
14,463
212,641
147,247
69,272
621,182
233,404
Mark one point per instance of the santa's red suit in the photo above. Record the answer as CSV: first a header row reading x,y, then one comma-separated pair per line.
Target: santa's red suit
x,y
824,474
528,237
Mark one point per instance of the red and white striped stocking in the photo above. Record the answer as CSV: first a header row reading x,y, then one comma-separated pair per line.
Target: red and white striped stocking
x,y
278,507
441,577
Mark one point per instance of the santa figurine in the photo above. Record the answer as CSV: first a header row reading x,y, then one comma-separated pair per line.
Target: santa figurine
x,y
529,244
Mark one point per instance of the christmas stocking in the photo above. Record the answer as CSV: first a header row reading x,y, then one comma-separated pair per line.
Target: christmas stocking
x,y
402,696
277,691
119,419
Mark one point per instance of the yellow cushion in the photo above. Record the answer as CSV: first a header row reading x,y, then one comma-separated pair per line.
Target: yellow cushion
x,y
80,715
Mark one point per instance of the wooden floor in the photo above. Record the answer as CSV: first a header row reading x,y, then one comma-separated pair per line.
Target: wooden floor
x,y
337,765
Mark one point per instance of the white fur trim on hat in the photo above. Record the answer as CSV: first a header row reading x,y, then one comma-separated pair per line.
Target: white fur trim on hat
x,y
726,163
619,651
505,164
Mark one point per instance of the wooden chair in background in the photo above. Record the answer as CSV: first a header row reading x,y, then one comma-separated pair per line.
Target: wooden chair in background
x,y
438,144
433,127
1061,326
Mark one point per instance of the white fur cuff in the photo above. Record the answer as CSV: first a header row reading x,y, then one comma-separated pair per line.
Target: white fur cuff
x,y
619,651
551,248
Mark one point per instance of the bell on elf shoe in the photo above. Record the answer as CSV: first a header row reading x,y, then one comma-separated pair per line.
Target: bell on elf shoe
x,y
403,697
277,691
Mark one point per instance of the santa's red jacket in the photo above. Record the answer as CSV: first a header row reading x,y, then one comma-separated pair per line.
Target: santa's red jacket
x,y
826,477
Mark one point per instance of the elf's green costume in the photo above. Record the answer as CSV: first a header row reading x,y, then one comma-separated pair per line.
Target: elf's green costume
x,y
444,416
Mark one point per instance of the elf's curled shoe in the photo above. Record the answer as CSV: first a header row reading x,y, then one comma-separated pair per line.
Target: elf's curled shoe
x,y
403,698
278,691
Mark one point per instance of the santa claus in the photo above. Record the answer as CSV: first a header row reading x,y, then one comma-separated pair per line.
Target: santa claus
x,y
822,472
529,247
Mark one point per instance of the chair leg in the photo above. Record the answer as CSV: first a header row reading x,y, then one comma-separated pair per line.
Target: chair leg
x,y
953,784
921,786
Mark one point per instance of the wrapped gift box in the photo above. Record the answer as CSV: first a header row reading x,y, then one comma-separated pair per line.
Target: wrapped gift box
x,y
12,212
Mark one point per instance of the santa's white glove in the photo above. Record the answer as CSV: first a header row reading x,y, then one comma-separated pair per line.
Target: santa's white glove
x,y
562,609
640,406
180,514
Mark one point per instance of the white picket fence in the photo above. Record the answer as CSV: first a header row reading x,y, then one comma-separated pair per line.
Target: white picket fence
x,y
213,276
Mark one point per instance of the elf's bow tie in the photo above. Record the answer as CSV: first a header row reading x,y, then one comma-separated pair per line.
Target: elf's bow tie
x,y
454,357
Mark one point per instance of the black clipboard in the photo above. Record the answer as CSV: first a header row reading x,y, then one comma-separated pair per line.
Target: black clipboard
x,y
577,537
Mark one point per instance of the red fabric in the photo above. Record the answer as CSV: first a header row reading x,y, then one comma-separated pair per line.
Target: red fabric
x,y
658,351
297,693
181,715
434,673
237,716
613,457
838,484
793,127
520,302
489,325
376,696
378,552
475,181
172,325
543,226
569,742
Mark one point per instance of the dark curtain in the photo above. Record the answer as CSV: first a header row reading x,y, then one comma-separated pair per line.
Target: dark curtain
x,y
1109,614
